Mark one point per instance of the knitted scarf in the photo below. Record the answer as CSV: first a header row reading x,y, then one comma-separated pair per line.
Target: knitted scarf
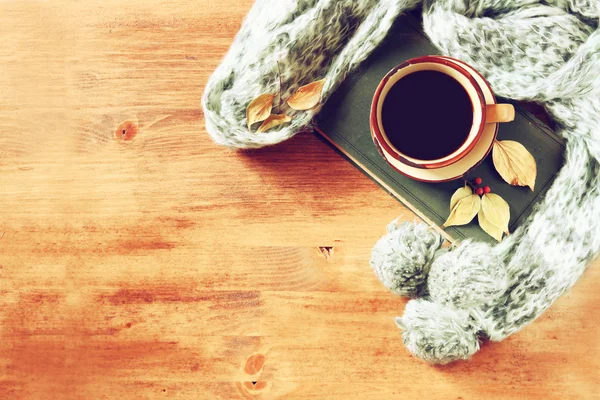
x,y
544,51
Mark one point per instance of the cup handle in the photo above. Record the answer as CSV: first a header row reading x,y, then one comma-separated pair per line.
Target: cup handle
x,y
499,113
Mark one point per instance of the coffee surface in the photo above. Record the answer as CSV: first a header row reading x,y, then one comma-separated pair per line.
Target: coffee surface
x,y
427,115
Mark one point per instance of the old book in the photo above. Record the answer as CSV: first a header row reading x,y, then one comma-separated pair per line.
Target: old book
x,y
344,122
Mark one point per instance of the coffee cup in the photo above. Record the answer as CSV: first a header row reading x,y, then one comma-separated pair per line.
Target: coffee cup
x,y
435,118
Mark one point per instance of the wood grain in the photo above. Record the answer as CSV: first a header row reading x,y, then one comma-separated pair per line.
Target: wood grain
x,y
152,264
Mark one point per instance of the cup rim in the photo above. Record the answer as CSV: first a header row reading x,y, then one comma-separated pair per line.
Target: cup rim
x,y
450,158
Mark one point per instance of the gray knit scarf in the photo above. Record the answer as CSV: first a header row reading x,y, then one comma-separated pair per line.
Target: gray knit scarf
x,y
545,51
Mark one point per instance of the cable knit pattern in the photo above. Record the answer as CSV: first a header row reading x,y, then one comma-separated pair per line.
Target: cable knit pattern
x,y
545,51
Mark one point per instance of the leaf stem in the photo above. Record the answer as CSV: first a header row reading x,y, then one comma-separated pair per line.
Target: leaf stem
x,y
469,184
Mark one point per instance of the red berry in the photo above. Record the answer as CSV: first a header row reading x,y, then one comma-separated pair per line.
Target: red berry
x,y
479,191
487,189
478,181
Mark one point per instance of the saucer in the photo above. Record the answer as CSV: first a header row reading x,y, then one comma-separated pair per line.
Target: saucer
x,y
452,171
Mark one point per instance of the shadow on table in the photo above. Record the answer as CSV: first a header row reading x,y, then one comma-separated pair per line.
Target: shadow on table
x,y
305,163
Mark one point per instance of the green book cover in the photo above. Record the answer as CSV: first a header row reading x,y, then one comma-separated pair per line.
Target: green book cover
x,y
344,122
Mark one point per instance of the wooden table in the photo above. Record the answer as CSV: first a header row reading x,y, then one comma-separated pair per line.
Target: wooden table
x,y
154,264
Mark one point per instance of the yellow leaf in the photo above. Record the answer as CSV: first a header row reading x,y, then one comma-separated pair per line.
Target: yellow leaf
x,y
307,96
496,211
259,109
488,227
272,121
514,163
460,194
464,211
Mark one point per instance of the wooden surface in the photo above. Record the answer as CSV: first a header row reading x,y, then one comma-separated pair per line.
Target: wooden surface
x,y
152,264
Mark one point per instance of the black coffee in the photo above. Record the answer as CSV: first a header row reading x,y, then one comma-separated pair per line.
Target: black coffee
x,y
427,115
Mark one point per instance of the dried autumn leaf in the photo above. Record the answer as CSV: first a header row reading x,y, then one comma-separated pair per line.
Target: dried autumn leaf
x,y
464,211
272,121
488,227
496,211
259,109
514,163
307,96
460,194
